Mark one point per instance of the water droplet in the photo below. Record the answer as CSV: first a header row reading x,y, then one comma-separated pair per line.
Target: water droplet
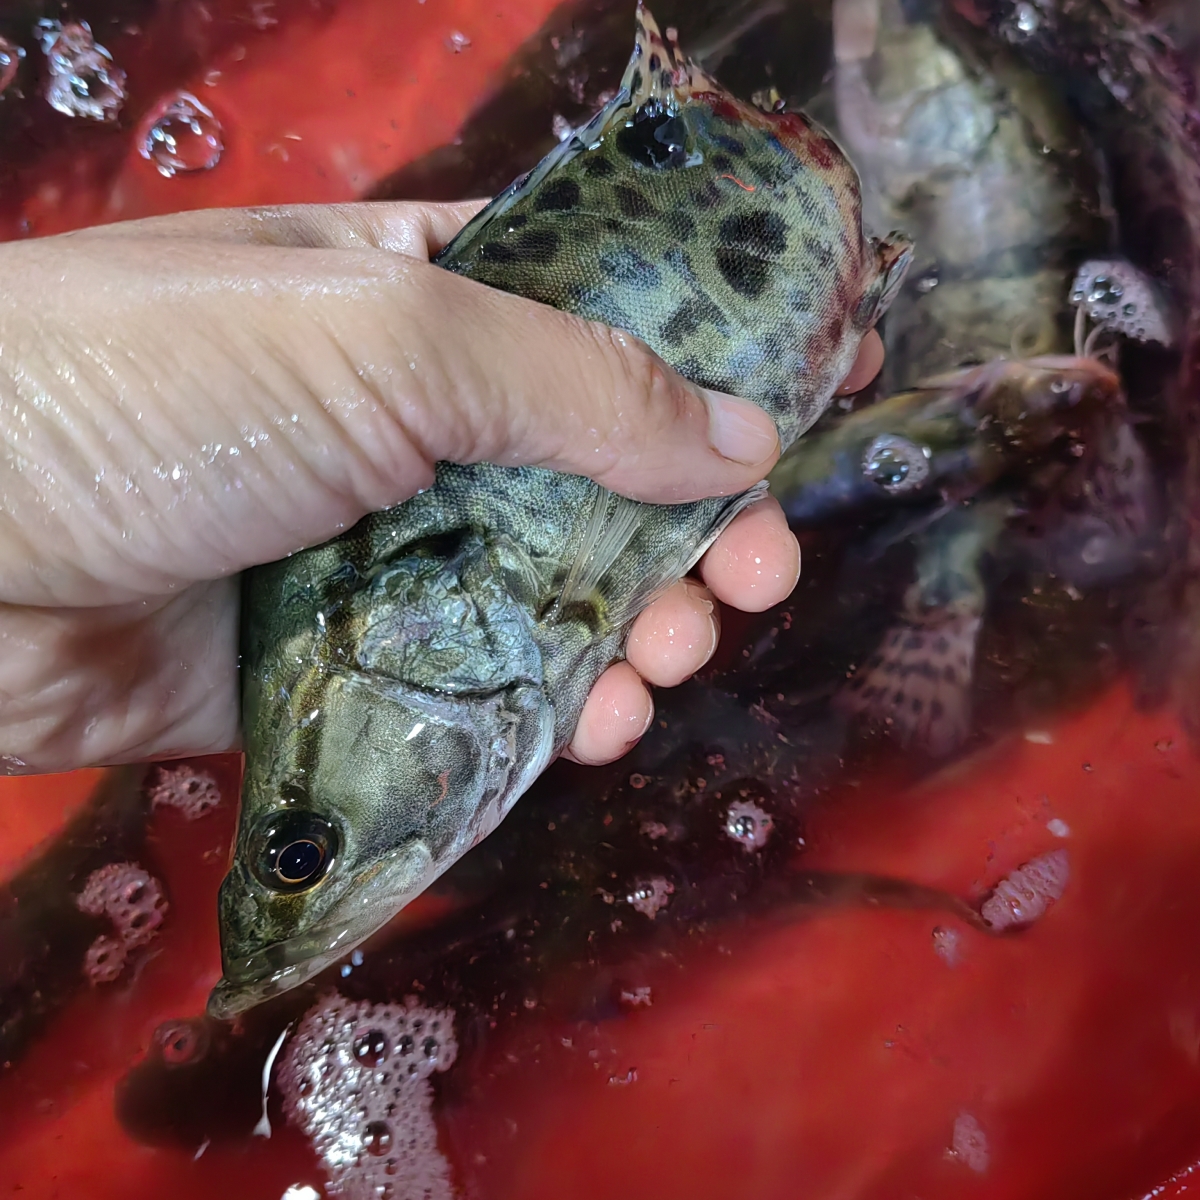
x,y
377,1138
458,41
183,135
10,59
83,81
371,1048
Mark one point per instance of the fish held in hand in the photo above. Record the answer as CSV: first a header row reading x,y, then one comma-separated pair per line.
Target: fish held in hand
x,y
407,682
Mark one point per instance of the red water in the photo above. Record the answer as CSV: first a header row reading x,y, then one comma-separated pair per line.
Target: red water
x,y
828,1058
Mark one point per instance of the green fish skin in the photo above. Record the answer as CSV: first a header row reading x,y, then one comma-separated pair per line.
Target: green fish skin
x,y
406,683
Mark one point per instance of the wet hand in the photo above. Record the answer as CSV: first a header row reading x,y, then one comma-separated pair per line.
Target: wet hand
x,y
186,397
753,565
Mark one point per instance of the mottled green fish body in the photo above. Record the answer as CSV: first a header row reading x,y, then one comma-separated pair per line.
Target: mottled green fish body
x,y
405,683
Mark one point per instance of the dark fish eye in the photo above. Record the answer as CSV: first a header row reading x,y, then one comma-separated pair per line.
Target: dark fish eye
x,y
896,464
294,852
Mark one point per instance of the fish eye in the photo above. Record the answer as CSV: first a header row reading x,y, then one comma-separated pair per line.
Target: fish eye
x,y
896,464
295,850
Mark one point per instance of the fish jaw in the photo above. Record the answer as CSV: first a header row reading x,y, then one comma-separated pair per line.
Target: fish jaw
x,y
257,969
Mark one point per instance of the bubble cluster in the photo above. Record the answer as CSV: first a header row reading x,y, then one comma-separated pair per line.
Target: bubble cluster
x,y
105,959
1119,297
182,135
748,824
355,1077
132,899
10,59
83,81
1025,895
969,1144
194,793
648,896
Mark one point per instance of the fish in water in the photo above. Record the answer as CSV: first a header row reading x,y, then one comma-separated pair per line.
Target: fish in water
x,y
1085,512
405,683
958,440
982,159
950,437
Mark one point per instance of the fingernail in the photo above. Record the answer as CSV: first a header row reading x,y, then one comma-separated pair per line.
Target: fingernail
x,y
740,431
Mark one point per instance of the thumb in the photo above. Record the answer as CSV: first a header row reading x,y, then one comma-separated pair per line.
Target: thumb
x,y
498,378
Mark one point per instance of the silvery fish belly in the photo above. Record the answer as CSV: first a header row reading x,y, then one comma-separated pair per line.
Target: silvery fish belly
x,y
405,683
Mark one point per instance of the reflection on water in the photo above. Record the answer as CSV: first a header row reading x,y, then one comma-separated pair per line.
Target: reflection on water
x,y
1006,582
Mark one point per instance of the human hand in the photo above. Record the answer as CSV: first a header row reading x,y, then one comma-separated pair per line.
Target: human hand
x,y
189,396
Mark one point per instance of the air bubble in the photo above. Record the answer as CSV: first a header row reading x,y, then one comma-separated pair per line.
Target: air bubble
x,y
896,464
377,1138
10,60
457,42
83,80
183,136
371,1048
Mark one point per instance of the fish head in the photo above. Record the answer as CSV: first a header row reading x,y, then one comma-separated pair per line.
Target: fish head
x,y
357,812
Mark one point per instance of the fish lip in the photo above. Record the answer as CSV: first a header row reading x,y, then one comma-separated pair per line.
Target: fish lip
x,y
252,978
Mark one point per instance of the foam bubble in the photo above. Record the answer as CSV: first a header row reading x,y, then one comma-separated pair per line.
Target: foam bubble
x,y
648,896
1119,297
748,824
104,960
194,793
130,897
182,135
355,1078
1028,892
969,1144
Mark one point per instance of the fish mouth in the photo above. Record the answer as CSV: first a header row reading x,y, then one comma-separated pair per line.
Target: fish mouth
x,y
251,979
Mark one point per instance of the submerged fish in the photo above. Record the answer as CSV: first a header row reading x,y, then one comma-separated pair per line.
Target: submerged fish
x,y
406,683
951,437
982,160
999,432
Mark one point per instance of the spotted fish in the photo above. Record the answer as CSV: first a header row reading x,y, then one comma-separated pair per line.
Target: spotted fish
x,y
406,682
959,452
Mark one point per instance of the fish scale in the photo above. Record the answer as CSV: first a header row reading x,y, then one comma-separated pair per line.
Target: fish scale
x,y
405,683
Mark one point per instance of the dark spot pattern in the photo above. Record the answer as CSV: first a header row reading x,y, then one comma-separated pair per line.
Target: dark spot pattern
x,y
746,273
634,203
721,163
730,144
687,319
762,233
597,166
561,196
